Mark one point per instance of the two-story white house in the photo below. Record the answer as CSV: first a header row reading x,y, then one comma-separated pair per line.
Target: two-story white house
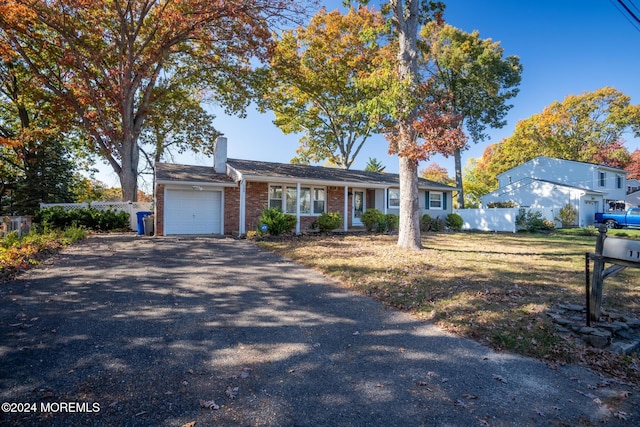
x,y
546,182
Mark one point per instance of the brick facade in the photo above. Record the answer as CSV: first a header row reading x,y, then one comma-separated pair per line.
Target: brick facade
x,y
257,199
159,214
335,202
231,210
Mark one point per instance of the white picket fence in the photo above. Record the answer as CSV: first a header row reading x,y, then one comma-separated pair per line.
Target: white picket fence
x,y
496,219
132,208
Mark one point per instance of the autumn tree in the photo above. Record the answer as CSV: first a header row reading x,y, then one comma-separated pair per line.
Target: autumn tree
x,y
178,123
319,79
586,128
399,97
474,80
104,60
437,173
35,154
634,165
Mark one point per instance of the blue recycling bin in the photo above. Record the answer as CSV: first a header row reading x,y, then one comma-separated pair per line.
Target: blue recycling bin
x,y
141,216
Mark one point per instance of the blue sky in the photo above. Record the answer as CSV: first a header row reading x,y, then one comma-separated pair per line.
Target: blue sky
x,y
565,46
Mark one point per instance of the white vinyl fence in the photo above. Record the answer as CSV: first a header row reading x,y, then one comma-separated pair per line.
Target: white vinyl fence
x,y
496,219
132,208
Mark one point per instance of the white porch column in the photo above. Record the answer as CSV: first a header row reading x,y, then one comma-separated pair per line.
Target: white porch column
x,y
346,208
298,208
385,202
242,214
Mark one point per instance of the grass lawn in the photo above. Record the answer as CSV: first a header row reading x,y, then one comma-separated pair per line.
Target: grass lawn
x,y
495,288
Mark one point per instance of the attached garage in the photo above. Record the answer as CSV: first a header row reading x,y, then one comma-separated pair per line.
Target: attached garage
x,y
193,211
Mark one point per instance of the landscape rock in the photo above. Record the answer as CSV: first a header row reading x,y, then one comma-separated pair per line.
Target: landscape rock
x,y
615,332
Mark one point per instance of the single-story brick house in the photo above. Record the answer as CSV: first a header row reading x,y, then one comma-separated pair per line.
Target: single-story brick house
x,y
229,197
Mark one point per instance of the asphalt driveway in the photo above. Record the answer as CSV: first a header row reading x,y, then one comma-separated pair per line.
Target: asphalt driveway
x,y
123,330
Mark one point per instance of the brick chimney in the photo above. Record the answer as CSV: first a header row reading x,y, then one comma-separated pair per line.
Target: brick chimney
x,y
220,155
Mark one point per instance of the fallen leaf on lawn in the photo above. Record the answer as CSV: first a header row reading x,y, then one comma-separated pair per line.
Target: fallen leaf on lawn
x,y
499,378
191,424
232,392
209,404
620,415
245,373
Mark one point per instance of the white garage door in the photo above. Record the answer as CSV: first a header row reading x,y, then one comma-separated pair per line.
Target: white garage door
x,y
192,212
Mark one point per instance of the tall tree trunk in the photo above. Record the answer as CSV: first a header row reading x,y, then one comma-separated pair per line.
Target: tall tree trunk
x,y
409,226
128,173
458,166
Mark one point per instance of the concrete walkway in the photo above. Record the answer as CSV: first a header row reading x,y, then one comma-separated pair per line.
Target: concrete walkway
x,y
171,331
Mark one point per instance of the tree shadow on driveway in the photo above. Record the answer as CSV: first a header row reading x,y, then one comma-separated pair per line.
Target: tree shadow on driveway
x,y
157,330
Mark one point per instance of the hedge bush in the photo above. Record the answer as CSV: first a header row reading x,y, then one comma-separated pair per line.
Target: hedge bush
x,y
532,221
58,218
454,222
329,221
372,219
276,222
392,221
428,223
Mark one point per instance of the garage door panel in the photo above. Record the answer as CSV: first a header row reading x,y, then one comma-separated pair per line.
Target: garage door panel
x,y
192,212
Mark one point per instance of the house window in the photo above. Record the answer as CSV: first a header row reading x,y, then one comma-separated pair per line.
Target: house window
x,y
393,201
291,200
603,179
305,200
436,200
312,200
318,200
275,197
618,181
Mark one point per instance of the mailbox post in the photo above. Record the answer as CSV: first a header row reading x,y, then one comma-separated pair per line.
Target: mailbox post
x,y
622,253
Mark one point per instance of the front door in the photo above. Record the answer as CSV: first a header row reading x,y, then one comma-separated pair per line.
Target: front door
x,y
359,201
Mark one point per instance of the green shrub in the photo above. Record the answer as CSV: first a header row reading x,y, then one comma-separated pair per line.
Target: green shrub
x,y
329,221
372,219
57,218
428,223
391,221
425,223
567,215
532,221
276,222
454,222
438,224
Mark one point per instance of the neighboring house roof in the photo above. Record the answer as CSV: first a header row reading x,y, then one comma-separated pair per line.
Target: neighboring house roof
x,y
527,182
547,159
267,171
633,199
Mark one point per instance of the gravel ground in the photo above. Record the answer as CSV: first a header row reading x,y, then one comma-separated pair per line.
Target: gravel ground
x,y
122,330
